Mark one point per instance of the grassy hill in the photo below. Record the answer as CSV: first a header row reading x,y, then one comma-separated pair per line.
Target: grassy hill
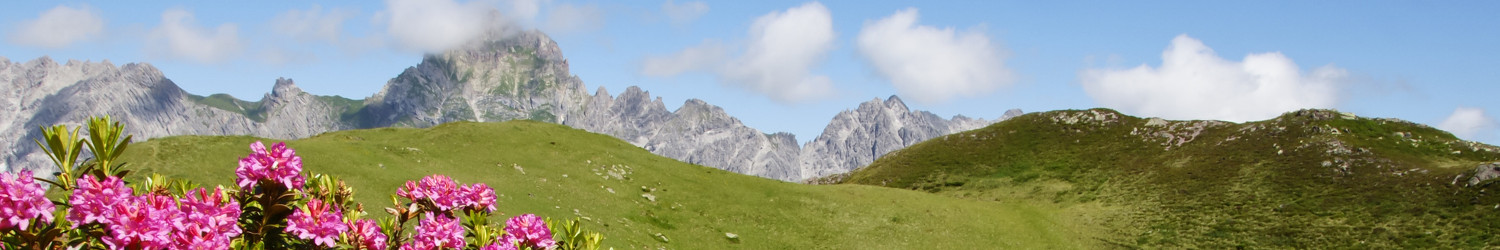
x,y
560,172
1307,179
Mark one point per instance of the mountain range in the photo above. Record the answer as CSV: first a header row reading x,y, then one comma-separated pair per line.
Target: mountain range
x,y
503,76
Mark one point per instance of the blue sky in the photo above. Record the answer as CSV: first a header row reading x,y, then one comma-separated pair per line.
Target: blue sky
x,y
791,65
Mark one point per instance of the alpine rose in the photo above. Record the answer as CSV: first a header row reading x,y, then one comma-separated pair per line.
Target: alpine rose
x,y
446,195
143,222
280,165
94,201
209,222
528,230
22,200
368,234
502,245
438,189
320,222
479,196
437,231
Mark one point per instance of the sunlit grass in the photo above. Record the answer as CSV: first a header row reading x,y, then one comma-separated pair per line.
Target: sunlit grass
x,y
560,172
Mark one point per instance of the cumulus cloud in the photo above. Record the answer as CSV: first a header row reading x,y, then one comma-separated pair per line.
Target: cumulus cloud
x,y
702,57
179,36
780,52
437,25
59,27
1195,83
567,18
930,64
687,12
312,24
1470,123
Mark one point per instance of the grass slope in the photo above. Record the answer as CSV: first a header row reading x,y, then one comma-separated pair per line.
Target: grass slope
x,y
560,172
1307,179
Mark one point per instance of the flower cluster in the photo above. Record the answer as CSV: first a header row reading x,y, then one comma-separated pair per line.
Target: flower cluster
x,y
209,221
102,210
437,231
94,201
447,195
318,221
22,200
143,222
280,165
204,220
528,230
367,235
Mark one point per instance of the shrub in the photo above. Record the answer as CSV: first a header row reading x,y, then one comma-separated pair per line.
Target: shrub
x,y
276,205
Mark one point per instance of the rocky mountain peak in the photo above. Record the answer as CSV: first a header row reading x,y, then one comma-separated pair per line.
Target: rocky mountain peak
x,y
43,62
894,102
284,87
602,92
855,138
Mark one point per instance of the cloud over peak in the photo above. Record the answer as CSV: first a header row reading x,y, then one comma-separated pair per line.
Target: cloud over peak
x,y
1195,83
437,25
179,36
930,64
59,27
782,49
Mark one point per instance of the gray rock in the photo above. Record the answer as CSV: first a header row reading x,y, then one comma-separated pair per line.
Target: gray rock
x,y
509,75
1484,172
855,138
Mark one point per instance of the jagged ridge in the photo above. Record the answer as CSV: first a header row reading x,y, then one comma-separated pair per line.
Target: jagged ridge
x,y
507,76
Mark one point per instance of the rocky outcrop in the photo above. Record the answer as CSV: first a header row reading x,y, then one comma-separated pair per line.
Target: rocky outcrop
x,y
507,76
856,138
43,93
1485,172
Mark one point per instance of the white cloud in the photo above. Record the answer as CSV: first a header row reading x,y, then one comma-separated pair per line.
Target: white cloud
x,y
59,27
179,36
1195,83
782,50
1470,123
930,64
567,18
684,13
525,10
311,25
779,55
437,25
702,57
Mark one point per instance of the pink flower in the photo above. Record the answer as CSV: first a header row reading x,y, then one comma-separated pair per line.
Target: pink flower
x,y
368,233
440,190
94,200
479,196
437,231
447,195
22,200
528,230
143,222
209,222
280,165
320,222
502,245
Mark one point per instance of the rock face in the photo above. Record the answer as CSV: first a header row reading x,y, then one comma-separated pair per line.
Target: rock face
x,y
507,76
856,138
1485,172
43,93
